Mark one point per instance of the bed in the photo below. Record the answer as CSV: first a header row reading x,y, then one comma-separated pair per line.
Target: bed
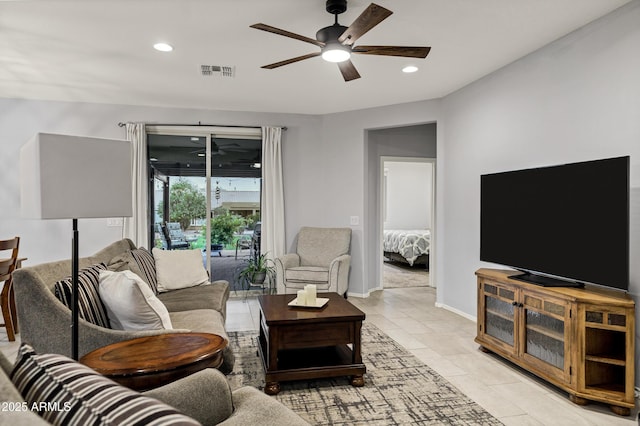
x,y
407,245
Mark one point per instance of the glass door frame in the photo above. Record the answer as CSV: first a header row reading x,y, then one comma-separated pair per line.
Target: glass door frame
x,y
206,132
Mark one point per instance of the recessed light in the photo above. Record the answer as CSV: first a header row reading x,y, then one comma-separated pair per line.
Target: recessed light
x,y
163,47
410,69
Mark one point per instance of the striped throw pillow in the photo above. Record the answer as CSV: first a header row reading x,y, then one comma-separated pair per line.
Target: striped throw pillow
x,y
147,265
140,262
64,392
90,307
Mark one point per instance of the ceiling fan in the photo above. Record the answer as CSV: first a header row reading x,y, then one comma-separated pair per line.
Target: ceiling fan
x,y
336,41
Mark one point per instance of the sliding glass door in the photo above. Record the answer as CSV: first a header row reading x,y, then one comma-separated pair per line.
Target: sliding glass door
x,y
205,192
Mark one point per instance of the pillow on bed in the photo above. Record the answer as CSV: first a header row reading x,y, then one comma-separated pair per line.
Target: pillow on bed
x,y
130,303
179,269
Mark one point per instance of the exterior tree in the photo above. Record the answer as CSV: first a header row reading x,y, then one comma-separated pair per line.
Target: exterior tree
x,y
224,225
186,202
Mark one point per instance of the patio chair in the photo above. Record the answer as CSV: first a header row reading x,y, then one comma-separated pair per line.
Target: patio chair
x,y
175,237
243,243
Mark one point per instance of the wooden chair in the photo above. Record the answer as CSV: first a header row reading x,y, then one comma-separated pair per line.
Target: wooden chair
x,y
7,300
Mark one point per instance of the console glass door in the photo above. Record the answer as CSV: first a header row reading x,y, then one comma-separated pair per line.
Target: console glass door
x,y
500,310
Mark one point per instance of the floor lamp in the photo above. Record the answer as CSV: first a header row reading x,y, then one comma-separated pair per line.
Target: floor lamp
x,y
73,177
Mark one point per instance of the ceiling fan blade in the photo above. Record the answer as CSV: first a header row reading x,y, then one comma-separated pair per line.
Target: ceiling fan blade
x,y
404,51
368,19
291,61
274,30
349,72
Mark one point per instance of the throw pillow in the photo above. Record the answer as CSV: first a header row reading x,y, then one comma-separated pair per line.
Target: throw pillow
x,y
68,393
179,269
90,307
140,262
130,303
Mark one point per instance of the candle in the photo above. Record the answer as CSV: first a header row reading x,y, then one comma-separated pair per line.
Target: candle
x,y
311,293
302,297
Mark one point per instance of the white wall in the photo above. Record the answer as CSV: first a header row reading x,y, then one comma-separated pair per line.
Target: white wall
x,y
408,195
345,139
575,99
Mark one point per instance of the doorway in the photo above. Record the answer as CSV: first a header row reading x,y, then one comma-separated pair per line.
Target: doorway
x,y
411,142
407,209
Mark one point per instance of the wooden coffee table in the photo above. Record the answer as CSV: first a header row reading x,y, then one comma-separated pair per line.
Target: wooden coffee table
x,y
148,362
297,343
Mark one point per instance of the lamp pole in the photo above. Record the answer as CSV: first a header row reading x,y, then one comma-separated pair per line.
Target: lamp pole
x,y
74,266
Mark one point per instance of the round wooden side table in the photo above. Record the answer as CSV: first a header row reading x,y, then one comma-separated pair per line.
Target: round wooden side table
x,y
151,361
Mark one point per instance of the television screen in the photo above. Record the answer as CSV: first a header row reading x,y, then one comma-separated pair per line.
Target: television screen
x,y
569,222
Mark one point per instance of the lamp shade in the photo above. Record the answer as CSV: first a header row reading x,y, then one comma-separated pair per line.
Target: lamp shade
x,y
67,177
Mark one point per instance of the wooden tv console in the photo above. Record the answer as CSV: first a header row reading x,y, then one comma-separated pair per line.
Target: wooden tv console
x,y
579,339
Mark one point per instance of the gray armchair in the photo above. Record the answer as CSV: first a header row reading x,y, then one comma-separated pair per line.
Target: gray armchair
x,y
321,258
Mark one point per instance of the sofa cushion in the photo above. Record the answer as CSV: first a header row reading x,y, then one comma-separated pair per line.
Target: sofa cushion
x,y
206,321
179,269
139,261
78,395
307,274
90,307
130,303
206,296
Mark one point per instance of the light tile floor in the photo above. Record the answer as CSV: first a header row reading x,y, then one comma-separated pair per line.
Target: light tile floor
x,y
444,341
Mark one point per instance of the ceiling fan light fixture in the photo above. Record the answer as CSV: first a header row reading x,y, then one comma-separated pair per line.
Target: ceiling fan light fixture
x,y
409,69
335,52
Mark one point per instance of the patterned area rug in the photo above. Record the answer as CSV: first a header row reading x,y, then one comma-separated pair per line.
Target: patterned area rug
x,y
399,389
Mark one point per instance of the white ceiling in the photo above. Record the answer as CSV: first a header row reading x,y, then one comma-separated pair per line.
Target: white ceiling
x,y
101,50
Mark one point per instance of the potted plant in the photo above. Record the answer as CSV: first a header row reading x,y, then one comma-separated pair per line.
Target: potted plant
x,y
256,269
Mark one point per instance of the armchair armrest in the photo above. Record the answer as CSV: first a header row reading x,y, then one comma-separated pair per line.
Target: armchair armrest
x,y
339,274
204,396
340,259
289,260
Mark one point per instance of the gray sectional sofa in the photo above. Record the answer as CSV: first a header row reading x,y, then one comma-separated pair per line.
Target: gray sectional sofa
x,y
204,396
45,320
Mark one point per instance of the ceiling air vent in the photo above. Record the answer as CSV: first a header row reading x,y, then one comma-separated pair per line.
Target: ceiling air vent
x,y
218,71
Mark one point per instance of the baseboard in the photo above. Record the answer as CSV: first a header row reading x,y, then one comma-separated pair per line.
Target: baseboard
x,y
456,311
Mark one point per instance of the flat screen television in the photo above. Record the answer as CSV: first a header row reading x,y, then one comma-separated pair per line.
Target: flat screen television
x,y
563,225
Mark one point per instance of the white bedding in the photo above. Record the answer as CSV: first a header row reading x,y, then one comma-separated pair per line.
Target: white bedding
x,y
409,243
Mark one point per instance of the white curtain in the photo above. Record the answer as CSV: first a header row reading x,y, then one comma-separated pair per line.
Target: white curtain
x,y
136,227
272,210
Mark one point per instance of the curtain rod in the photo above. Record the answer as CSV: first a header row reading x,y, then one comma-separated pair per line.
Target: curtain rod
x,y
284,128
